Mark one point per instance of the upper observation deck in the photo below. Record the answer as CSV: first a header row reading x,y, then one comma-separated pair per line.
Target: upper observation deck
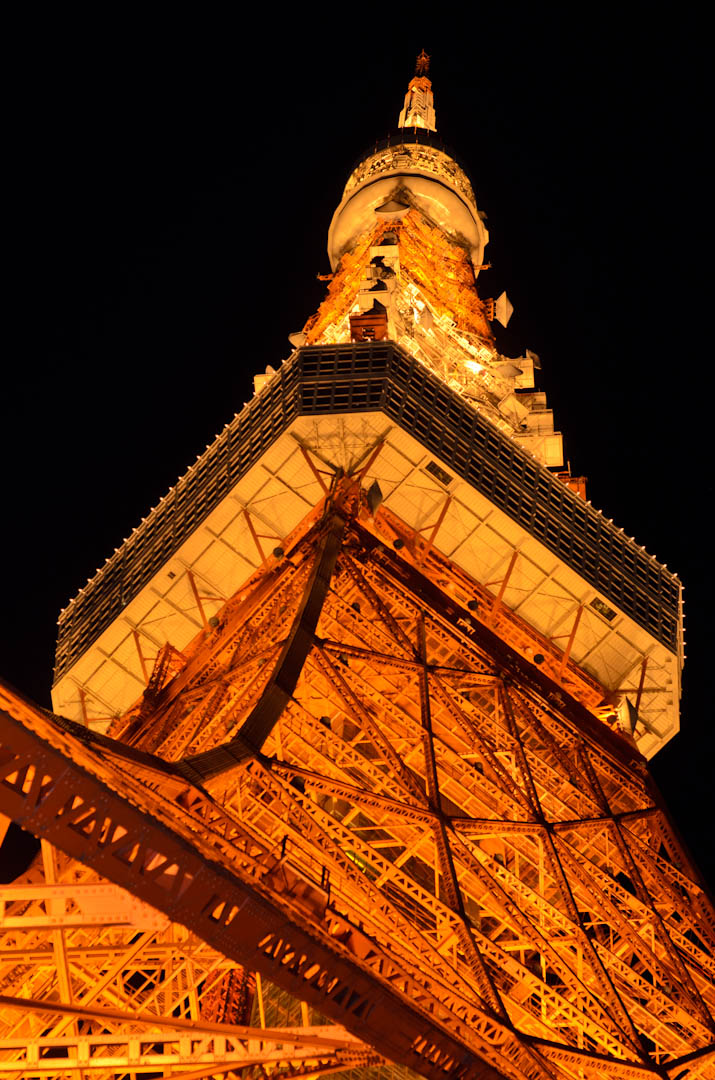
x,y
571,578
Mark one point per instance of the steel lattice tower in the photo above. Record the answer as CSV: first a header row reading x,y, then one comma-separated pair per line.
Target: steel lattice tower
x,y
348,763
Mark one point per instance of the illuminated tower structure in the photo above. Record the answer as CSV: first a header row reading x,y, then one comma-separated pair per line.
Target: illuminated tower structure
x,y
351,733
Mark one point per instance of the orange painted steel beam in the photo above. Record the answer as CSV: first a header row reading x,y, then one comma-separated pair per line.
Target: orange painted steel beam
x,y
316,472
254,534
569,643
61,802
363,469
502,588
197,598
435,529
328,1038
641,683
142,658
512,628
301,638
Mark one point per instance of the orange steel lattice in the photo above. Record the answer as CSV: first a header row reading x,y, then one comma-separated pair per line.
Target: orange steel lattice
x,y
438,267
368,797
370,819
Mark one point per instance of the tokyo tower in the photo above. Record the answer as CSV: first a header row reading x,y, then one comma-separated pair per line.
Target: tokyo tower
x,y
347,768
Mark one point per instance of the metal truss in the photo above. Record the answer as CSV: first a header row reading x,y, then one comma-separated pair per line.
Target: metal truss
x,y
356,787
172,1045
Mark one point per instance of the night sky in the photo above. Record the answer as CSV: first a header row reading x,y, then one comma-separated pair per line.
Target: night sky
x,y
172,186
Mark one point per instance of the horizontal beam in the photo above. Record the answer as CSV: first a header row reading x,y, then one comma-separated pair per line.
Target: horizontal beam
x,y
102,953
94,904
138,1055
330,1037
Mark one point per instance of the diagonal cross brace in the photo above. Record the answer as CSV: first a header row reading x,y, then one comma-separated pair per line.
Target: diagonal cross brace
x,y
45,791
284,679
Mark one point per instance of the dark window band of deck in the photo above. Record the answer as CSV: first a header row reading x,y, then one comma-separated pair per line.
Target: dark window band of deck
x,y
380,377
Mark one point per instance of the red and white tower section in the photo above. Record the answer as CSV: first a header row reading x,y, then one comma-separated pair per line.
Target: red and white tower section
x,y
351,732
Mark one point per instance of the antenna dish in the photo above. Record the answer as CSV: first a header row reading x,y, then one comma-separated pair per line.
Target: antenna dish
x,y
374,497
297,339
635,717
508,370
503,309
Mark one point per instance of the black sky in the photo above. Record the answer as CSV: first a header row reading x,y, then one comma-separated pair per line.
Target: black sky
x,y
172,186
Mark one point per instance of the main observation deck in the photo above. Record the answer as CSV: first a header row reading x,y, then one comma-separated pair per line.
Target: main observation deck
x,y
512,526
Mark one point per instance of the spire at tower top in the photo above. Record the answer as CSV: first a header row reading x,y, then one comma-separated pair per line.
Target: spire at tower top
x,y
418,110
422,65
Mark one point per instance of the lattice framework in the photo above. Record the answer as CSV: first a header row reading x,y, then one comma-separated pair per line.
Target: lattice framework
x,y
377,804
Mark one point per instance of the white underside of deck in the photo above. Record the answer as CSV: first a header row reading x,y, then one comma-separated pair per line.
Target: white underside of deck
x,y
280,490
